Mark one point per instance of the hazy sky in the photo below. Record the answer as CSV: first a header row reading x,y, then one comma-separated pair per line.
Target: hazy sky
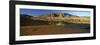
x,y
36,12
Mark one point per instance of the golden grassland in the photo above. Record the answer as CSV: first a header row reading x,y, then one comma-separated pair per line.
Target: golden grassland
x,y
79,20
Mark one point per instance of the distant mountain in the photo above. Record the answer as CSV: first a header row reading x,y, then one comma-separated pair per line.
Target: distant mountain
x,y
68,14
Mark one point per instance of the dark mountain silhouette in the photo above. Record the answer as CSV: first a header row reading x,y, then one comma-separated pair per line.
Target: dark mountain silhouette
x,y
67,14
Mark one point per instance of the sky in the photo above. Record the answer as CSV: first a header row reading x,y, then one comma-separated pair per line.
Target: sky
x,y
37,12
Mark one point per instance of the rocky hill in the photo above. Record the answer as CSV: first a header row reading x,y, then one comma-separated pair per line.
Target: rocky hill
x,y
51,18
57,15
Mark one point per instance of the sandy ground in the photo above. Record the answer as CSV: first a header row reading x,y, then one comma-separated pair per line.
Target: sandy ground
x,y
49,29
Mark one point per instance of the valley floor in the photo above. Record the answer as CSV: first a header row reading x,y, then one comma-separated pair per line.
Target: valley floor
x,y
51,29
